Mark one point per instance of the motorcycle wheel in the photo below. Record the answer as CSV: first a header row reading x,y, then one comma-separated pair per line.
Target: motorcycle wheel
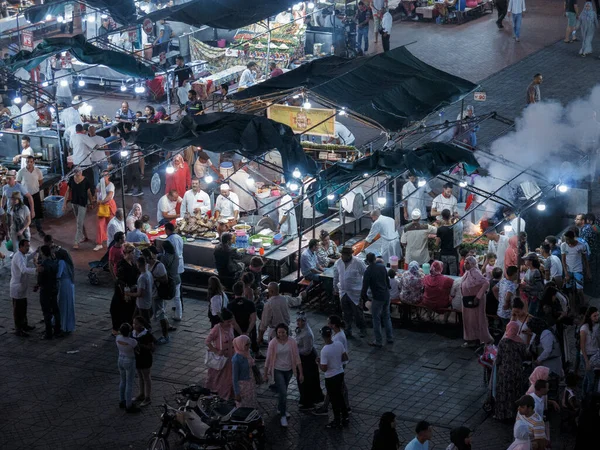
x,y
158,443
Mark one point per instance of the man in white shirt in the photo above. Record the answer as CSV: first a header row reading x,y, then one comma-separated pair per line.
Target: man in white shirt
x,y
227,204
115,225
444,201
497,244
240,187
29,115
388,243
177,242
83,147
331,362
26,151
552,265
378,7
515,223
19,284
64,81
288,226
348,274
204,166
195,200
167,204
516,8
248,77
32,178
70,116
414,197
386,29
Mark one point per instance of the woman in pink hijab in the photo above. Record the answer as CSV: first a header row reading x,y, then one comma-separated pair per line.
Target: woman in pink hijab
x,y
539,373
474,287
512,351
244,386
511,255
436,294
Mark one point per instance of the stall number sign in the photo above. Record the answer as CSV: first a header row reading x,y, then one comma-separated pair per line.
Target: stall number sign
x,y
27,40
480,96
315,121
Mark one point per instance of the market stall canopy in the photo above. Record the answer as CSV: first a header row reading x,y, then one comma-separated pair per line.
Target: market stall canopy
x,y
389,90
221,132
84,52
122,11
226,14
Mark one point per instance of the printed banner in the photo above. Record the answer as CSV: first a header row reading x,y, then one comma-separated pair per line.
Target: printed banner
x,y
301,120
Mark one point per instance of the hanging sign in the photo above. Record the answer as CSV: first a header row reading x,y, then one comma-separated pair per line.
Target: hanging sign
x,y
479,96
301,120
27,40
148,27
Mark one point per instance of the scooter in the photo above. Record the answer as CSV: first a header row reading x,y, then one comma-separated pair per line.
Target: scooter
x,y
211,423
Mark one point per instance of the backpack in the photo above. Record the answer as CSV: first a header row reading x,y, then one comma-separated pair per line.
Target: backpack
x,y
166,291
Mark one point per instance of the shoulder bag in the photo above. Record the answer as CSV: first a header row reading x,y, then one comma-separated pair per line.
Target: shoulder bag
x,y
103,210
214,361
470,301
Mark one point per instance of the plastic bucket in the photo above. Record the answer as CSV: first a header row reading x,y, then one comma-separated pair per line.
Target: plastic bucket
x,y
53,206
226,168
394,262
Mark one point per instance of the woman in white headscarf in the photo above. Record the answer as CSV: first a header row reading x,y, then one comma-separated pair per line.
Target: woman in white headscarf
x,y
588,22
521,434
134,214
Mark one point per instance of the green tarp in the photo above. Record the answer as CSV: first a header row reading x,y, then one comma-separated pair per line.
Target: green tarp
x,y
84,52
390,89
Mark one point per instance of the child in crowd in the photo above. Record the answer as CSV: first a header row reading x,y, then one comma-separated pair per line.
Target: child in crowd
x,y
488,265
463,255
143,358
394,285
126,346
491,301
146,223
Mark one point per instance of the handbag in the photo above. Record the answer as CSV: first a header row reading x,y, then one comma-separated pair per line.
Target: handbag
x,y
470,301
214,361
103,210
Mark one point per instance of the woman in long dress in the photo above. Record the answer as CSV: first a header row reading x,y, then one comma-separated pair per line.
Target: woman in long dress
x,y
310,390
588,23
512,352
475,324
66,290
220,341
244,386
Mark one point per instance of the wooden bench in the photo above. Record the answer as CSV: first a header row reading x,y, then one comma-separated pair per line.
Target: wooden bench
x,y
419,309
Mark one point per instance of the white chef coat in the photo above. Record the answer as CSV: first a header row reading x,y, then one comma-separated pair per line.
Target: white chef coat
x,y
342,133
70,117
386,22
246,199
30,180
286,208
247,79
418,200
227,205
347,280
389,240
192,201
82,149
29,117
19,275
25,153
513,223
164,204
499,248
441,203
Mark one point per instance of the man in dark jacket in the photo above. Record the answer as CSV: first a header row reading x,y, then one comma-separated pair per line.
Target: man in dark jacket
x,y
48,286
376,279
225,256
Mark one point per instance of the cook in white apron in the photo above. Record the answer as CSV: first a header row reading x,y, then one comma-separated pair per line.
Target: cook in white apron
x,y
388,243
287,210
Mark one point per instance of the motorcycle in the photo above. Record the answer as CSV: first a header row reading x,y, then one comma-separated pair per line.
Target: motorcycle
x,y
206,422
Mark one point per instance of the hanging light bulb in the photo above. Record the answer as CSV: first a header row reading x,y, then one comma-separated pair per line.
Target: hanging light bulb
x,y
307,105
342,112
296,173
51,109
64,83
381,201
296,96
311,5
563,188
541,207
104,16
139,89
101,82
48,17
17,99
293,186
123,87
124,153
170,169
421,183
366,175
91,18
45,84
208,179
60,19
463,184
81,82
331,197
508,228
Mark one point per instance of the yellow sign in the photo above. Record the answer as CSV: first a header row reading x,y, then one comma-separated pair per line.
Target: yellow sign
x,y
301,120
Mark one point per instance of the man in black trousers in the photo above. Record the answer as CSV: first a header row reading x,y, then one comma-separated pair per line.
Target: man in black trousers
x,y
502,7
48,286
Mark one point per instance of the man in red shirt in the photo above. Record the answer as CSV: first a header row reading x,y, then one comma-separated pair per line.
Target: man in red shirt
x,y
275,71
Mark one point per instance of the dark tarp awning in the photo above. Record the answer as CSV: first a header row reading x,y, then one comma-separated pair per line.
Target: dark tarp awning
x,y
84,52
221,132
122,11
226,14
390,89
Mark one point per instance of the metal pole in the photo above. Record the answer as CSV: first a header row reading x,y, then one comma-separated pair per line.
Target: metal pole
x,y
519,259
60,147
168,84
123,183
268,48
300,229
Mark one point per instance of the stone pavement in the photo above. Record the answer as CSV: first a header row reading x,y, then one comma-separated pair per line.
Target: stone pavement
x,y
61,400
